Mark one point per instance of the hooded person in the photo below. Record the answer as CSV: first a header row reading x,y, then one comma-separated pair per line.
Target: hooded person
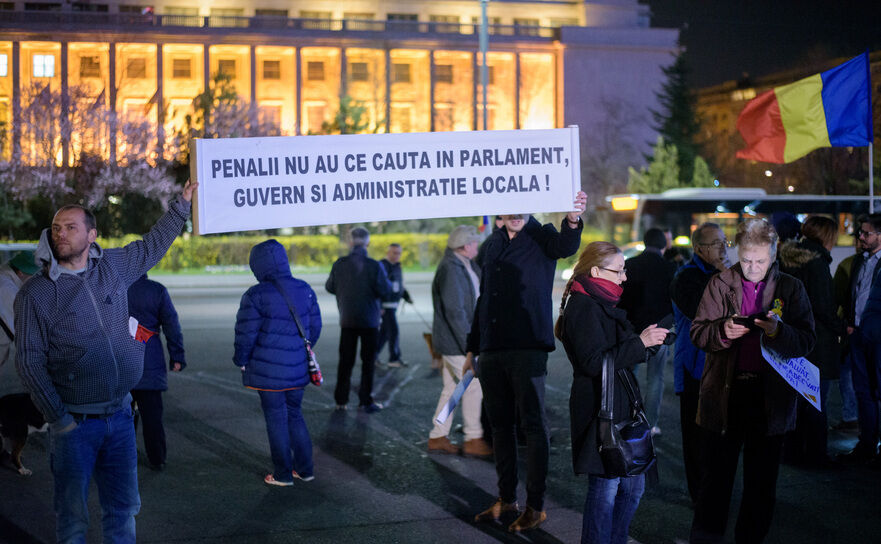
x,y
274,359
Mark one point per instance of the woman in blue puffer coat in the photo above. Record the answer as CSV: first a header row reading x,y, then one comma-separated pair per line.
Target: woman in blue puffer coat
x,y
273,358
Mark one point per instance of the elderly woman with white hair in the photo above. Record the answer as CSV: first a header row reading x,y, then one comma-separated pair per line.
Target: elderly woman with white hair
x,y
744,404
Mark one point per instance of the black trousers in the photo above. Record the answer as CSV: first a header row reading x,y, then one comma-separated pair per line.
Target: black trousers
x,y
150,410
348,346
692,436
747,431
513,383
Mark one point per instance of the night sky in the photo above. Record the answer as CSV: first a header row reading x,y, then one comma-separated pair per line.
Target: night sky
x,y
724,40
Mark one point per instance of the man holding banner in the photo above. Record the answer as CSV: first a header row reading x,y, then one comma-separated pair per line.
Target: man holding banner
x,y
512,331
747,311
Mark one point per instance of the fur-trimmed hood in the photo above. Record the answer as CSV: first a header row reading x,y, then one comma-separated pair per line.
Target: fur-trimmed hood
x,y
794,254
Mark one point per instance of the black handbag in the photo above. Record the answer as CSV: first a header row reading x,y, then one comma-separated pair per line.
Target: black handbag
x,y
625,447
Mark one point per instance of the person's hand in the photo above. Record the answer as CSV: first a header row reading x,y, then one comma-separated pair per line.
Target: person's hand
x,y
469,363
189,189
243,368
580,205
176,367
653,335
68,428
850,330
732,330
769,324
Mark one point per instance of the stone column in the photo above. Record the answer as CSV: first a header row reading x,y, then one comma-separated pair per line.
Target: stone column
x,y
111,79
298,89
16,99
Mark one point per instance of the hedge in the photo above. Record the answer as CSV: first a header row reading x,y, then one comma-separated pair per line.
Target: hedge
x,y
196,252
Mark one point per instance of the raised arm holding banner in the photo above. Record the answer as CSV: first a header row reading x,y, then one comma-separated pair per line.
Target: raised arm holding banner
x,y
274,182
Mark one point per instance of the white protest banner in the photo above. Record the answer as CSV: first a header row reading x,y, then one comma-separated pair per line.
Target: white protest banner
x,y
800,373
274,182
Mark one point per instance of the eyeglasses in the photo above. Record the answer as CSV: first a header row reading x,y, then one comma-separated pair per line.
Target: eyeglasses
x,y
861,232
719,243
622,272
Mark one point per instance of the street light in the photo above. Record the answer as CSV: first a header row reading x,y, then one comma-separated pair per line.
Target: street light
x,y
484,45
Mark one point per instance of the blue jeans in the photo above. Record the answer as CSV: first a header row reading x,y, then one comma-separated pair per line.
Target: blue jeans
x,y
289,441
866,370
104,448
848,396
609,508
388,332
654,384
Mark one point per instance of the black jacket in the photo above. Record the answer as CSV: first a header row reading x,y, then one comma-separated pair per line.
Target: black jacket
x,y
514,310
809,262
646,297
858,263
592,328
359,283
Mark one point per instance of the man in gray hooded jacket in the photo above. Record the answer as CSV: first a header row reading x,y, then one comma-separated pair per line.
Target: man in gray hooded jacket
x,y
78,354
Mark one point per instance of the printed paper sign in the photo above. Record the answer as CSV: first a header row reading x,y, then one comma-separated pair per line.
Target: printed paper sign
x,y
800,373
455,398
274,182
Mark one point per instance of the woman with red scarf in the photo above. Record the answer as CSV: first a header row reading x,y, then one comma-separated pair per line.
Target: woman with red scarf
x,y
591,326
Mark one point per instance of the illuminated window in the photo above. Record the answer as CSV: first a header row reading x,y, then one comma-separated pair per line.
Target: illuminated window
x,y
443,73
271,12
271,116
314,117
227,17
360,21
181,16
565,21
316,19
453,21
180,69
136,68
358,71
271,69
90,66
4,65
443,117
492,22
315,70
400,73
226,67
44,66
526,27
402,118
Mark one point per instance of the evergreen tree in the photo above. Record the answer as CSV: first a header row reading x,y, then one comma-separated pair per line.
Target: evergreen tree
x,y
661,174
677,119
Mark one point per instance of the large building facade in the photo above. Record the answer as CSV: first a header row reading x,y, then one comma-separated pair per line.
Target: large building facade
x,y
413,64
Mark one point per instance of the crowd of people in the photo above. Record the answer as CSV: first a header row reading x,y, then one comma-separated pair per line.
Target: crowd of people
x,y
81,328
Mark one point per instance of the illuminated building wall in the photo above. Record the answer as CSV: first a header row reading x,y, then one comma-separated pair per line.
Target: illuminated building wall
x,y
413,65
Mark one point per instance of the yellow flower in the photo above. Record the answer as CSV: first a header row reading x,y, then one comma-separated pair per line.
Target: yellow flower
x,y
778,308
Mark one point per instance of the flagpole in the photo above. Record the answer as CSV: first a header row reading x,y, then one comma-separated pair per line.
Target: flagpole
x,y
871,181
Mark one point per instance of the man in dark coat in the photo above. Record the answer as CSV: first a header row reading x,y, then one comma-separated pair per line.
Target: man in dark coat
x,y
864,355
359,283
512,332
646,299
149,303
388,330
710,257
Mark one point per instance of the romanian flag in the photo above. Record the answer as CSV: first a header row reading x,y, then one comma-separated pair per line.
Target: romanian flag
x,y
830,109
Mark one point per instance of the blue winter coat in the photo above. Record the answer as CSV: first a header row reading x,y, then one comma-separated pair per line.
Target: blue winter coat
x,y
149,303
686,290
267,343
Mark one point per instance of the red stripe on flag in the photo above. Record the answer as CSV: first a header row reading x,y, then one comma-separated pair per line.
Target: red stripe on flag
x,y
761,126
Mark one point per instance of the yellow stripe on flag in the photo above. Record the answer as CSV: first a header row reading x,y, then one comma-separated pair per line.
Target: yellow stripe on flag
x,y
803,116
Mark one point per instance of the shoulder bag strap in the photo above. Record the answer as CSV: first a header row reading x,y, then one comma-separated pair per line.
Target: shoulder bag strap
x,y
7,330
607,399
293,311
632,390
